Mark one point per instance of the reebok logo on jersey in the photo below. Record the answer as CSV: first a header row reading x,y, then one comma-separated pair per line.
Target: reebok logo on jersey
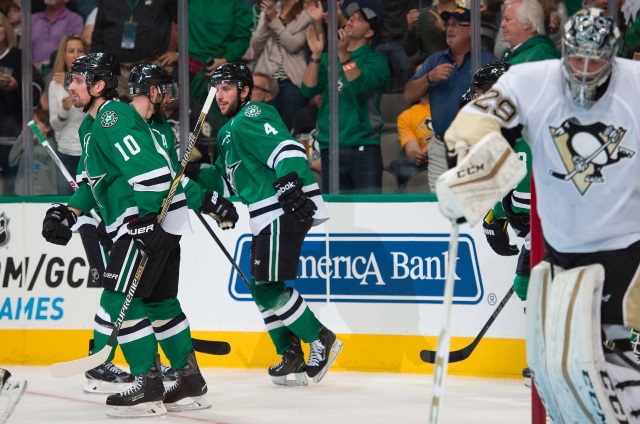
x,y
288,186
141,230
108,119
252,111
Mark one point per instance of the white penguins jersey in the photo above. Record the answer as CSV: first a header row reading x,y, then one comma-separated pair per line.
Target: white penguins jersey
x,y
586,165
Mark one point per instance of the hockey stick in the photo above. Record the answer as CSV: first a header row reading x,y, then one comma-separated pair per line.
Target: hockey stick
x,y
429,356
221,246
78,366
204,346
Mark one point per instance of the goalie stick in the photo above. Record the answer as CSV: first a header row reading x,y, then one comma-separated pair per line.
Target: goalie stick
x,y
211,347
78,366
11,391
429,356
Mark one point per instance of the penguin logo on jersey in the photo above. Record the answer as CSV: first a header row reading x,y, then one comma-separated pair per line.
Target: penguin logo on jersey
x,y
4,230
108,119
252,111
586,149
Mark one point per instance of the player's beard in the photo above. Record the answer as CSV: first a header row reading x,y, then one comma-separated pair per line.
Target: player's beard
x,y
233,107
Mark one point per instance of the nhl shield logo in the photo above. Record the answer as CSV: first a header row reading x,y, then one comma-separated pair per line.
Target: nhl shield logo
x,y
4,230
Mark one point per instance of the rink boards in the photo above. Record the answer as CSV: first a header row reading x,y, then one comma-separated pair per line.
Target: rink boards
x,y
374,273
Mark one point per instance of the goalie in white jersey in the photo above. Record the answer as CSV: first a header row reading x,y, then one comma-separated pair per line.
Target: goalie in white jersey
x,y
581,117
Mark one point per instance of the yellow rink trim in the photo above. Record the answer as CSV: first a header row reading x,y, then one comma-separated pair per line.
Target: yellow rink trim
x,y
361,352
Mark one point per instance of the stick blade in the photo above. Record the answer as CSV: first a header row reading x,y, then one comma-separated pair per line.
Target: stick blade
x,y
428,356
211,347
78,366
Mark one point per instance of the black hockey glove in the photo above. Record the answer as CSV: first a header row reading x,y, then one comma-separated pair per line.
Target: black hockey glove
x,y
56,227
520,222
220,209
103,236
148,236
495,229
292,199
192,170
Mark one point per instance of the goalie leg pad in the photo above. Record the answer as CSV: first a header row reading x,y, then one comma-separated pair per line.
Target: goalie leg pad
x,y
537,307
578,372
11,391
490,170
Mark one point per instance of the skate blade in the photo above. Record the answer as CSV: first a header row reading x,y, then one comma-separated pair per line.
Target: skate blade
x,y
335,350
10,395
189,404
148,409
299,379
104,388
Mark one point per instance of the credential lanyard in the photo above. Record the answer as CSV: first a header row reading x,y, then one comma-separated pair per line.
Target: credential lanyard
x,y
132,8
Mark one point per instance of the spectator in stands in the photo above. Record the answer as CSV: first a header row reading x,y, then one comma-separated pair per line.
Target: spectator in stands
x,y
89,25
12,10
66,119
363,78
394,28
48,28
489,19
425,30
265,88
83,7
414,132
134,32
281,37
555,16
44,169
445,76
11,98
523,29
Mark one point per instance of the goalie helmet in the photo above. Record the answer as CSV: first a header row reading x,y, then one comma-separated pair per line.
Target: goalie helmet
x,y
144,76
590,44
485,77
235,72
92,65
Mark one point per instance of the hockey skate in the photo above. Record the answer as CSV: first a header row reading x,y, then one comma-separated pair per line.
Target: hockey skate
x,y
291,364
168,375
323,352
142,399
11,390
107,379
188,392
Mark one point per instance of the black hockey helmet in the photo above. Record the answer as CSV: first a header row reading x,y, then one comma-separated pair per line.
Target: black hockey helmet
x,y
235,72
146,75
464,99
485,77
94,65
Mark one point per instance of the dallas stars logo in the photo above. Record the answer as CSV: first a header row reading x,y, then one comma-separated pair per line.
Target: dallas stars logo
x,y
108,119
252,111
231,170
93,181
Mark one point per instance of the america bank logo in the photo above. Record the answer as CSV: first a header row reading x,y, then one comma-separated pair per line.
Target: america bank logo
x,y
367,268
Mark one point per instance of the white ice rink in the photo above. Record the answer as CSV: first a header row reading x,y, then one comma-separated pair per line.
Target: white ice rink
x,y
248,397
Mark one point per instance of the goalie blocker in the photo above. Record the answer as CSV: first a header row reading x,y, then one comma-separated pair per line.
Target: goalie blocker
x,y
487,173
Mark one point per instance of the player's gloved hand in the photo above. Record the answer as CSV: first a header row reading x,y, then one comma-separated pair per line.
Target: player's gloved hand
x,y
56,227
520,222
292,199
103,236
495,229
148,236
192,170
220,209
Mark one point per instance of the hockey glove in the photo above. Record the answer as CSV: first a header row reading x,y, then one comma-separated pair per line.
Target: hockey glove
x,y
148,236
520,222
103,236
220,209
495,229
56,227
292,199
192,170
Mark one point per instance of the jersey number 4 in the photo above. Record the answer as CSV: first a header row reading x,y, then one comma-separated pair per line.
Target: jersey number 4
x,y
269,129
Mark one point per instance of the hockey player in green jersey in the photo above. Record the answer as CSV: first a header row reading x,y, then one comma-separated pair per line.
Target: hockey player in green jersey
x,y
268,171
127,180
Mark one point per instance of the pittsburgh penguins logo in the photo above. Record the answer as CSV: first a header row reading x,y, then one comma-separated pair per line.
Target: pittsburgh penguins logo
x,y
586,149
252,111
108,119
4,230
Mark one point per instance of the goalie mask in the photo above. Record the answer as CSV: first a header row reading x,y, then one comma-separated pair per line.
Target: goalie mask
x,y
236,73
144,76
590,44
92,65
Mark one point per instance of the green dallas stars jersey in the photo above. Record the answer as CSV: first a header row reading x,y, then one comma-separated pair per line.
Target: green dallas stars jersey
x,y
254,150
126,172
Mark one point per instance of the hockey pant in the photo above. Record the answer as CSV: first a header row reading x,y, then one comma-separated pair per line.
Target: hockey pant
x,y
283,309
